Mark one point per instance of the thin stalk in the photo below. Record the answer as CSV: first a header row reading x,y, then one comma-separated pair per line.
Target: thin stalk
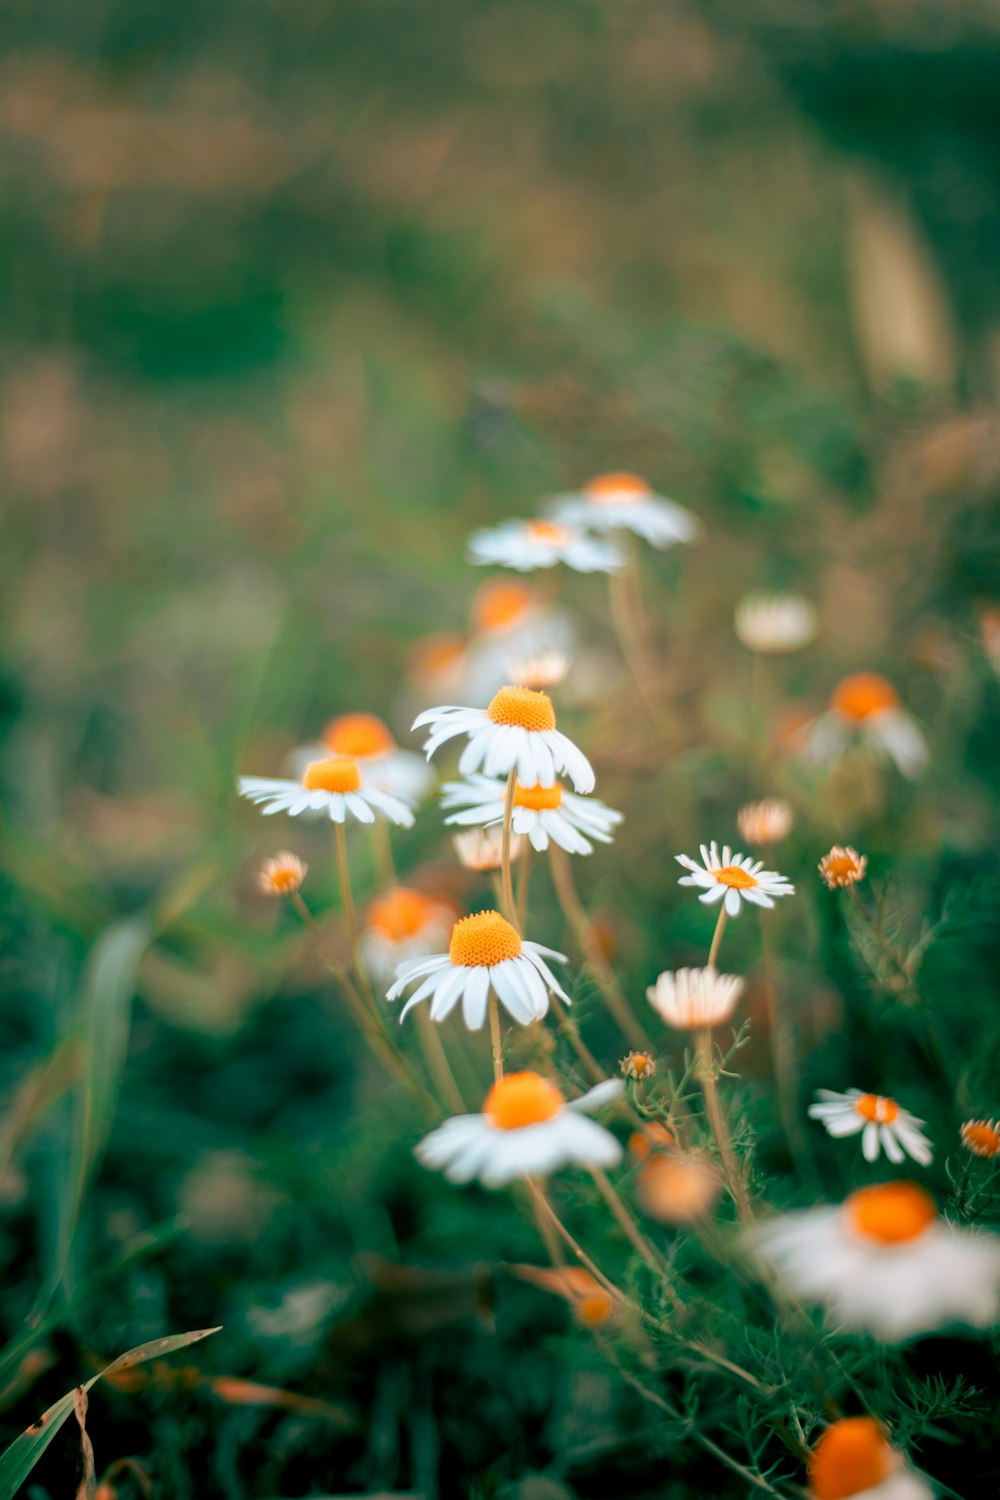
x,y
495,1038
706,1075
437,1061
350,915
523,879
542,1203
783,1061
720,928
510,909
384,862
626,1223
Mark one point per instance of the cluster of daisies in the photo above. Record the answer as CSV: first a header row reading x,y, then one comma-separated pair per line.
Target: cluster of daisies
x,y
883,1261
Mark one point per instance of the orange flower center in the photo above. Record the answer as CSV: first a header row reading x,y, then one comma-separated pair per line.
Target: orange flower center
x,y
438,655
735,876
980,1138
851,1456
640,1063
360,735
521,1099
892,1213
862,695
284,879
401,913
652,1137
548,531
501,604
840,866
482,940
877,1109
538,798
338,774
615,489
522,708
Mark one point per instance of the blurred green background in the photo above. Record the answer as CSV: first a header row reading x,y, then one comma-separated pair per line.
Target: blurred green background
x,y
293,296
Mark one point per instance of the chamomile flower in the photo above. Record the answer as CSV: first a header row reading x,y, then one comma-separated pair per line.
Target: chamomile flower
x,y
526,1129
482,848
842,867
370,742
547,669
625,502
774,624
882,1124
402,925
334,787
638,1065
282,875
865,707
540,813
981,1137
517,728
485,953
854,1460
766,822
527,545
884,1263
733,878
691,999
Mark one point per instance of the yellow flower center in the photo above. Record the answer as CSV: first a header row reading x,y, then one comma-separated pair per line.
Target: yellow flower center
x,y
862,695
402,913
501,604
482,940
538,798
522,708
548,531
840,867
338,774
735,876
852,1456
284,879
878,1110
981,1138
360,735
891,1213
521,1099
615,489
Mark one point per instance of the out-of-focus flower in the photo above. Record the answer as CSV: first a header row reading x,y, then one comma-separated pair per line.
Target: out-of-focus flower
x,y
733,878
766,822
625,502
882,1124
527,545
334,787
691,999
401,925
540,812
482,848
653,1136
677,1189
866,707
485,953
638,1065
981,1137
437,664
509,623
592,1304
546,670
526,1129
774,624
369,741
517,728
854,1460
282,875
882,1262
502,605
843,866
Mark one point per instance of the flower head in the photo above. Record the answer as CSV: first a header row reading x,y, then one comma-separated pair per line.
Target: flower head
x,y
638,1065
546,669
677,1189
527,545
482,848
502,605
691,999
282,875
517,728
981,1137
773,624
526,1129
766,822
882,1124
854,1458
437,663
403,924
485,953
866,707
540,813
369,741
843,866
625,502
733,878
333,786
593,1305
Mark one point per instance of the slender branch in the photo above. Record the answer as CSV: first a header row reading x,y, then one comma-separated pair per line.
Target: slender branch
x,y
495,1037
523,879
720,928
706,1075
437,1061
510,909
626,1222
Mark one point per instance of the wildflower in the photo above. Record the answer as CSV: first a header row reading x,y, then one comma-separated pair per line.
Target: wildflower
x,y
517,728
638,1065
766,822
981,1137
592,1304
882,1124
482,848
653,1136
733,878
773,624
676,1189
692,999
854,1458
526,1129
333,786
625,502
843,866
437,663
866,707
502,605
883,1262
281,876
485,953
527,545
403,924
539,812
545,670
385,765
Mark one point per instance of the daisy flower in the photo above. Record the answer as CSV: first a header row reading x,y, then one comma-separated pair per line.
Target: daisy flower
x,y
884,1263
625,502
527,545
334,787
692,999
766,822
854,1460
526,1129
437,664
638,1065
774,624
677,1189
503,605
482,848
981,1137
882,1124
866,707
843,866
485,953
369,741
540,812
733,878
592,1304
402,925
516,728
281,876
547,669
